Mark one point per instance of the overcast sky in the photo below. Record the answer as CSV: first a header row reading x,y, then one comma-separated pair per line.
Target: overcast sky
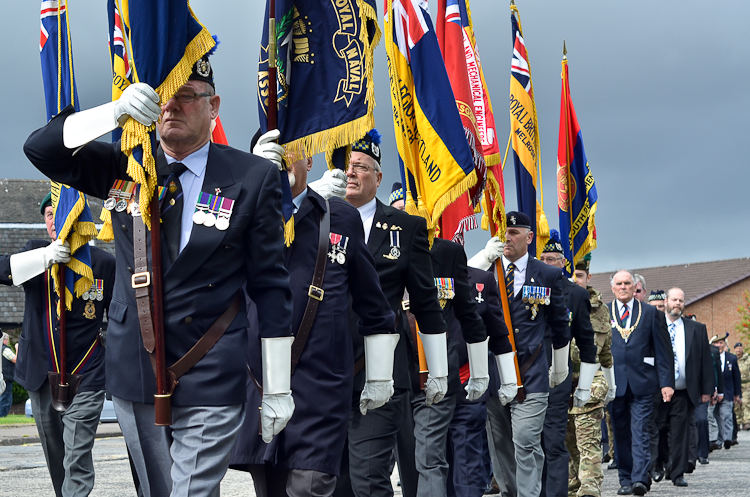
x,y
662,97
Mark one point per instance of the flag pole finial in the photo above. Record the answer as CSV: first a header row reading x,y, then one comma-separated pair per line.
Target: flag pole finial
x,y
565,51
513,3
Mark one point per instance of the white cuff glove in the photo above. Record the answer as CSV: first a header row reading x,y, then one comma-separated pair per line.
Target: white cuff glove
x,y
488,255
275,412
138,101
26,265
436,353
583,390
269,149
559,370
479,378
277,405
331,184
378,388
506,366
609,375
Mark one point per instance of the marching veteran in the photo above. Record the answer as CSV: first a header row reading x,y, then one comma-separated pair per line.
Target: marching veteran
x,y
221,231
68,436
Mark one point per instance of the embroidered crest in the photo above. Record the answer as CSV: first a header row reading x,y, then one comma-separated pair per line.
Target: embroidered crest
x,y
89,311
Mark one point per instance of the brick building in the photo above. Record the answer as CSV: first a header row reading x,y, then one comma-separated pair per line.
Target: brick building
x,y
713,290
20,222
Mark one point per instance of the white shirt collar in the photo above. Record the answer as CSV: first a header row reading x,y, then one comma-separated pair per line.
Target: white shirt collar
x,y
520,263
195,162
629,303
299,199
368,210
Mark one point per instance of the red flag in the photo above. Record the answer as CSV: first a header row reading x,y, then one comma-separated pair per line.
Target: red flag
x,y
217,133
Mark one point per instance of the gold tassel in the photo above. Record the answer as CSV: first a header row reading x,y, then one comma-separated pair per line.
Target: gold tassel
x,y
106,234
289,232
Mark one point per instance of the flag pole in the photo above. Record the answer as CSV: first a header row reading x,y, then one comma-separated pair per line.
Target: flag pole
x,y
163,397
566,89
63,383
521,395
272,77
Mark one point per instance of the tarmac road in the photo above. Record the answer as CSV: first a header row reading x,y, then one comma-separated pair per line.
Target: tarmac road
x,y
23,472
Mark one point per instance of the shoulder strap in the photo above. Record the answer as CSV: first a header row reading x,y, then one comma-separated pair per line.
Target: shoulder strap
x,y
315,292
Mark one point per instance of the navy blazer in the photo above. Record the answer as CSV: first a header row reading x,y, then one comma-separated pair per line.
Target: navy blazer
x,y
529,333
699,373
203,280
645,363
731,375
321,384
412,271
82,330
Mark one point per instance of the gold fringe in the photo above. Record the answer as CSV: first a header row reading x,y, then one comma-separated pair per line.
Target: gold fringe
x,y
590,243
492,160
542,230
450,196
329,139
106,234
498,214
289,232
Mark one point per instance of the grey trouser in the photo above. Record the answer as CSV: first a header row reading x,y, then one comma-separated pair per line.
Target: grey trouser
x,y
431,424
190,457
713,425
67,438
276,482
502,452
527,419
725,422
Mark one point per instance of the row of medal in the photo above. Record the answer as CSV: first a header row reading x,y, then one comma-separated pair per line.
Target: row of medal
x,y
536,294
213,210
446,290
96,292
338,247
123,195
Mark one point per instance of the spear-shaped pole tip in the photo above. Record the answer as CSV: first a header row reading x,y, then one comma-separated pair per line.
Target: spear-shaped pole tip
x,y
513,3
565,51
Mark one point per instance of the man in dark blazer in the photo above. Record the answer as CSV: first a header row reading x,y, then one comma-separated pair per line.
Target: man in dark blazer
x,y
643,363
305,458
536,301
204,269
467,476
399,245
556,456
732,391
694,384
66,437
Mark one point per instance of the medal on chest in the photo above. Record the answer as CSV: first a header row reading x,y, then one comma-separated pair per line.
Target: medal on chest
x,y
338,248
536,296
446,290
96,292
213,211
478,298
395,250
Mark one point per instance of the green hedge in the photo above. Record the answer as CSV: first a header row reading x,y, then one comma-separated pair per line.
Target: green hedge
x,y
19,393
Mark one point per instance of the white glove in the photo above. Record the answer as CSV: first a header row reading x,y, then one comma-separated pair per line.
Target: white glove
x,y
609,375
331,184
488,255
277,405
559,370
26,265
436,353
378,390
269,149
140,102
506,366
276,411
583,390
479,378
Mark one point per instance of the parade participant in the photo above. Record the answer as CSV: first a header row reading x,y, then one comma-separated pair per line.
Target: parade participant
x,y
711,431
396,198
732,391
584,434
67,437
657,298
643,363
742,410
399,245
556,457
8,374
221,232
694,383
432,422
536,300
640,292
466,477
305,458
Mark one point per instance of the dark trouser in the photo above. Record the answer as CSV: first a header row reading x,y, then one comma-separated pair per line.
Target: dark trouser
x,y
406,447
556,457
6,399
692,438
372,439
654,437
630,422
276,482
676,415
466,472
502,453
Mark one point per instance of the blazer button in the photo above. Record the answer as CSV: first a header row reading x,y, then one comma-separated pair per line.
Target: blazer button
x,y
515,331
188,319
227,247
130,269
124,228
210,285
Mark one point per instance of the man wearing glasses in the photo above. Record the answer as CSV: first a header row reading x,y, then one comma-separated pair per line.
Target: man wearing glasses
x,y
209,252
640,288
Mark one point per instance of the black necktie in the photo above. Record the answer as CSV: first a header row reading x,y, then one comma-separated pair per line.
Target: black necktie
x,y
171,212
510,281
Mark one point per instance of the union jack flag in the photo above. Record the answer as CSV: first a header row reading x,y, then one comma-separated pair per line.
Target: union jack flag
x,y
519,66
453,12
117,42
410,25
49,10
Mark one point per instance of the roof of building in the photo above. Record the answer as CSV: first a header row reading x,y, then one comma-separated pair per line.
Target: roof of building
x,y
698,280
20,200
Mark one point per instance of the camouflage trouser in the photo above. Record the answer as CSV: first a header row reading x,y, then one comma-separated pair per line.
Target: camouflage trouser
x,y
610,435
583,441
742,411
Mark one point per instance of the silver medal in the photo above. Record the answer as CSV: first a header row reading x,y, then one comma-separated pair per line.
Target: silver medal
x,y
341,258
99,295
110,203
395,252
222,223
85,296
121,205
135,210
209,221
199,217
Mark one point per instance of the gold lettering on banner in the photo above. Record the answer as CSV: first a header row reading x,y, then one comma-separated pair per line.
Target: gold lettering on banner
x,y
349,48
